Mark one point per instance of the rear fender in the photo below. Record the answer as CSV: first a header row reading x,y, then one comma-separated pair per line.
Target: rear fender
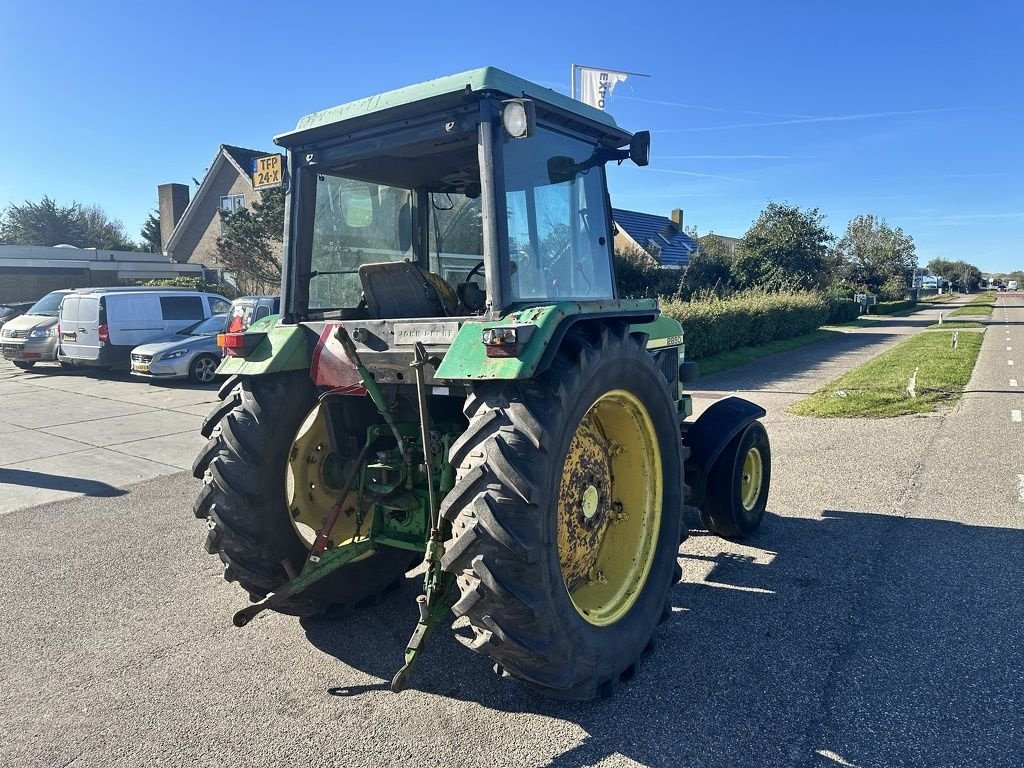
x,y
708,436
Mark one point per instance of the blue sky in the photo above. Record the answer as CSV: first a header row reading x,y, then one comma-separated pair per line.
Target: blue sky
x,y
912,111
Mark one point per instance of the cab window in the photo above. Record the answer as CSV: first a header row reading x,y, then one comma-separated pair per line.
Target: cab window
x,y
557,224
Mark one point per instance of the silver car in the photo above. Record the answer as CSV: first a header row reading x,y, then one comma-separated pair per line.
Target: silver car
x,y
32,337
191,353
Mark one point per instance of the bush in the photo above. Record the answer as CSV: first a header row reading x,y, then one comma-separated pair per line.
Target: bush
x,y
195,283
891,307
639,276
713,324
842,310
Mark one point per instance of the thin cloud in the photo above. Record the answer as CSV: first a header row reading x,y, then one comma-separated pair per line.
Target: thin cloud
x,y
700,175
808,120
705,108
733,157
961,219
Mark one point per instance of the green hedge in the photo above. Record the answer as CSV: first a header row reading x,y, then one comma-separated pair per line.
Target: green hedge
x,y
843,310
890,307
715,325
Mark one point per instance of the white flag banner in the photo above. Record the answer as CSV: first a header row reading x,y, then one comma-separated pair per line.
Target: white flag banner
x,y
596,85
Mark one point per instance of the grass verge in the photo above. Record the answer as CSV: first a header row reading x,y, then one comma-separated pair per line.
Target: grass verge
x,y
952,324
878,388
982,304
737,357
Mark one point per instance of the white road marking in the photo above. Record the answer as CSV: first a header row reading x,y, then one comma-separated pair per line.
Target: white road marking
x,y
1009,362
1020,488
1015,415
1009,349
1013,382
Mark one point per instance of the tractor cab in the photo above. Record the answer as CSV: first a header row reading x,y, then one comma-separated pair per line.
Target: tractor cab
x,y
460,197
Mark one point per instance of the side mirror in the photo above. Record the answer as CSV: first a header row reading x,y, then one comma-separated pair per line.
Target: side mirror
x,y
561,168
640,148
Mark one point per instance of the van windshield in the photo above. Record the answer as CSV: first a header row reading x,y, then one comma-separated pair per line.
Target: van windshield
x,y
48,305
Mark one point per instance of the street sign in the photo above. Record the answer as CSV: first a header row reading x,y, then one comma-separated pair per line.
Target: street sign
x,y
267,172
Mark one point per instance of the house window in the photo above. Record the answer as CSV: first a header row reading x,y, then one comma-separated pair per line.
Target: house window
x,y
653,248
232,202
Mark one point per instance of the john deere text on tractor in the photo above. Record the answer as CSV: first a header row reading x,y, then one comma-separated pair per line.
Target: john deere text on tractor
x,y
454,380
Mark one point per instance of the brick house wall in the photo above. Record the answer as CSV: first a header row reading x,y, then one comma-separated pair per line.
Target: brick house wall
x,y
198,243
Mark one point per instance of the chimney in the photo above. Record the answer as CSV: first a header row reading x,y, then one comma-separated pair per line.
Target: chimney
x,y
173,200
677,218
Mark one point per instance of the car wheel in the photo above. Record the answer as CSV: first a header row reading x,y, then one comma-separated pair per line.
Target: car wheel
x,y
203,369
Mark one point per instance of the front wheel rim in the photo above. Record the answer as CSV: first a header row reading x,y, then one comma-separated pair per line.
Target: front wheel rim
x,y
751,478
205,370
609,507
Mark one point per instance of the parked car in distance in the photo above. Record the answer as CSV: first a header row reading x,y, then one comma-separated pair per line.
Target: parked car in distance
x,y
246,310
32,337
192,353
101,326
13,309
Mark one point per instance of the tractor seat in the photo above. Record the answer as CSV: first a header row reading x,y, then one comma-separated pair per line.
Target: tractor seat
x,y
402,289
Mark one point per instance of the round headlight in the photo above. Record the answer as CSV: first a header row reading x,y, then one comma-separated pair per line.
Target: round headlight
x,y
513,117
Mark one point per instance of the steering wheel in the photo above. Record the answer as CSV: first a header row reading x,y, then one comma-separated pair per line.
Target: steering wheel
x,y
474,272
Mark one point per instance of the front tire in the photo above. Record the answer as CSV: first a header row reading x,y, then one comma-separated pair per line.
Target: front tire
x,y
244,467
737,489
566,515
23,364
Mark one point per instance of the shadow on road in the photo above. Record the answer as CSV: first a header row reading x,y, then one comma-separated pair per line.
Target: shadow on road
x,y
874,639
58,482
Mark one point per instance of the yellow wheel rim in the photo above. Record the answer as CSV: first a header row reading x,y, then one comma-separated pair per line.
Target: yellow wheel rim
x,y
751,479
609,507
312,484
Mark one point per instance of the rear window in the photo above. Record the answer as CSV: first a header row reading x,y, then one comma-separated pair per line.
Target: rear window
x,y
182,307
218,306
88,309
69,309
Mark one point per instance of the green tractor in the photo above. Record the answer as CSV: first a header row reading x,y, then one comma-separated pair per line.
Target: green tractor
x,y
453,382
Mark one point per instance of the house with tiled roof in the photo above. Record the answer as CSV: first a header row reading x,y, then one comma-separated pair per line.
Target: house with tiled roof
x,y
662,237
189,228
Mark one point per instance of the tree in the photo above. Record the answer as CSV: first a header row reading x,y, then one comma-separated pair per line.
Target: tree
x,y
638,275
876,257
785,249
251,247
710,268
151,239
960,274
47,223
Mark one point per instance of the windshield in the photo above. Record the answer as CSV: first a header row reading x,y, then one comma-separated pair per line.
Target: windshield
x,y
557,224
211,326
356,222
48,305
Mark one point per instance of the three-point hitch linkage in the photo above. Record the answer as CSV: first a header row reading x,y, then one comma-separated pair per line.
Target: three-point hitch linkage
x,y
435,601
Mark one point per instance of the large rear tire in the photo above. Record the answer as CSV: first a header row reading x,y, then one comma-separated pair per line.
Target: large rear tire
x,y
244,468
566,515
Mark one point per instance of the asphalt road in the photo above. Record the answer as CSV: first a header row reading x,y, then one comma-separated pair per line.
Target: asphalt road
x,y
875,620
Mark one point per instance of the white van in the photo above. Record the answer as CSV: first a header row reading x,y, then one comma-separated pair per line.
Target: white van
x,y
101,326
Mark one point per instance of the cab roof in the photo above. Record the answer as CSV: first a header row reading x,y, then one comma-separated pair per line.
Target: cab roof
x,y
442,93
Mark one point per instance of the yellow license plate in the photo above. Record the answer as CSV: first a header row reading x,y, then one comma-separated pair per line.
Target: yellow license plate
x,y
140,367
267,172
69,336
